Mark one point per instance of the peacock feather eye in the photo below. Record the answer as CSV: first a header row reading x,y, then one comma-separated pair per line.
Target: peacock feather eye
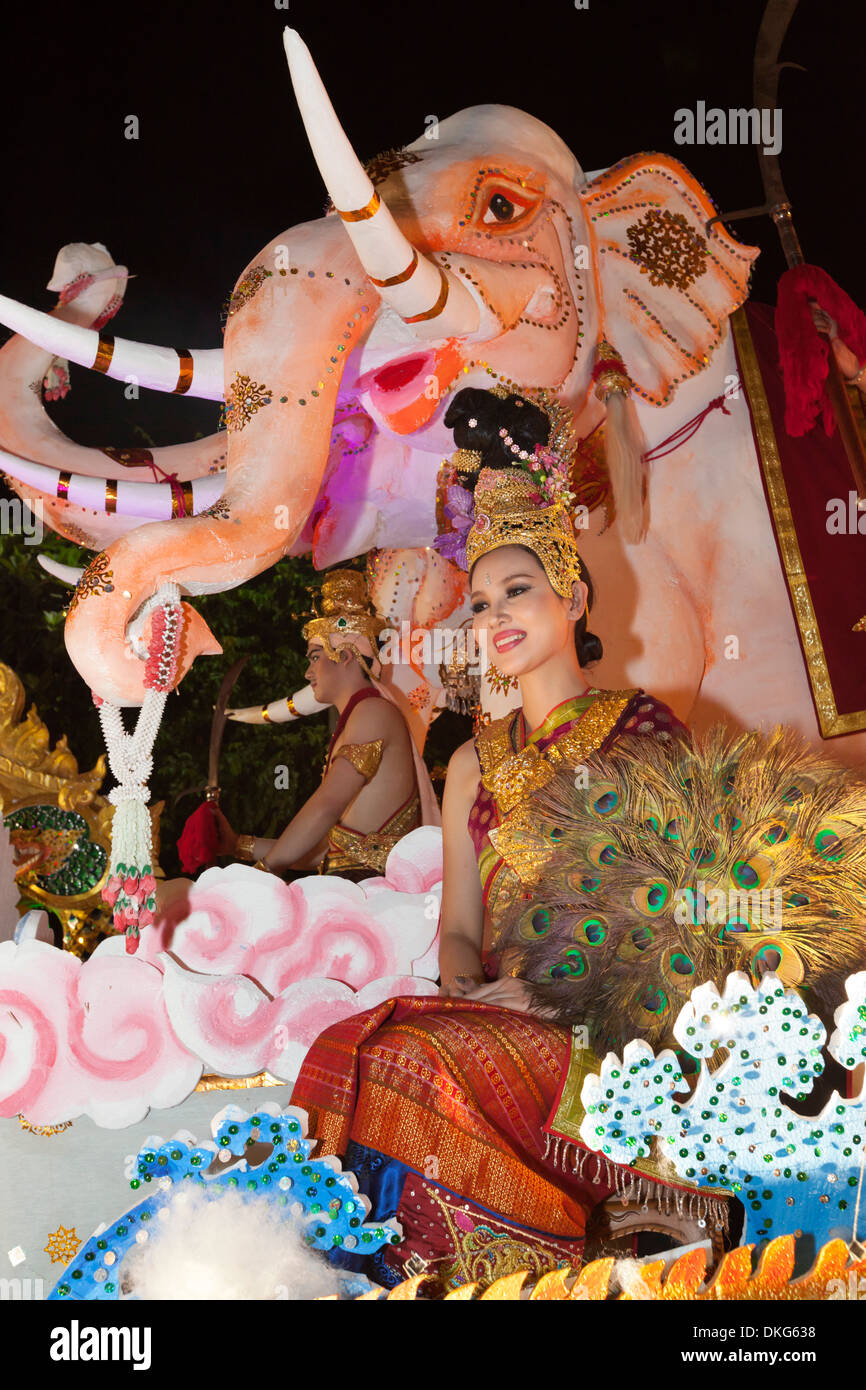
x,y
603,852
776,835
681,964
651,823
641,938
571,967
540,920
675,828
829,846
654,1001
702,857
796,900
591,930
653,899
751,873
604,799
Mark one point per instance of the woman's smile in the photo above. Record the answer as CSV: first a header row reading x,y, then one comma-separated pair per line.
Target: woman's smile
x,y
504,641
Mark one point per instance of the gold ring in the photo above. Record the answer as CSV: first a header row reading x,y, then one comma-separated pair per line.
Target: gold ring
x,y
362,214
437,307
184,379
104,353
404,274
63,485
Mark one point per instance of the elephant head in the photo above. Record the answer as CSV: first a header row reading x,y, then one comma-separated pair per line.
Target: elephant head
x,y
481,256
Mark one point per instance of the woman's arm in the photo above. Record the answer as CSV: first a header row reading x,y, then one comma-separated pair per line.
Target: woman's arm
x,y
462,921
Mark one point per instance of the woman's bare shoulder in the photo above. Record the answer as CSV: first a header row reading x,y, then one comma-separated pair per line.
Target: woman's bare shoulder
x,y
463,768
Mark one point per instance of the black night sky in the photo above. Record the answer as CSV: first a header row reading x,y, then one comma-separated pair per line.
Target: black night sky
x,y
222,164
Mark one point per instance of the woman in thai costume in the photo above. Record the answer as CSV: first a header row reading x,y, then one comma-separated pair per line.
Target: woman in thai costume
x,y
442,1107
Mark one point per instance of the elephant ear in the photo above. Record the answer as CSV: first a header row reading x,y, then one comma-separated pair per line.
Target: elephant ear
x,y
666,286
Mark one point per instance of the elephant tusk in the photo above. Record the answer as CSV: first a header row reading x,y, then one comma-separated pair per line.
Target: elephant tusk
x,y
282,711
68,574
431,299
150,501
181,371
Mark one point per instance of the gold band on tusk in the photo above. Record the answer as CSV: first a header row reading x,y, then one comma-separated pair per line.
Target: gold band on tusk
x,y
110,496
402,277
104,353
437,307
63,485
184,378
362,214
290,706
265,715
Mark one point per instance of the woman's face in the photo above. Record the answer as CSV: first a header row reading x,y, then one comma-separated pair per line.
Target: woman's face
x,y
523,620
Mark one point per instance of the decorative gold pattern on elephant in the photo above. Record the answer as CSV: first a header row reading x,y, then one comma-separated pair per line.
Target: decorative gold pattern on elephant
x,y
129,458
244,399
860,625
419,698
381,166
484,1255
96,579
220,510
246,288
667,250
687,1280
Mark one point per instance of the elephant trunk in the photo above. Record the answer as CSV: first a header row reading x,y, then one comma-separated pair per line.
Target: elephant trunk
x,y
285,352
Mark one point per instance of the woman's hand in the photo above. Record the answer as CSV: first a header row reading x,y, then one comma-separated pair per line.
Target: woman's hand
x,y
507,993
458,988
226,838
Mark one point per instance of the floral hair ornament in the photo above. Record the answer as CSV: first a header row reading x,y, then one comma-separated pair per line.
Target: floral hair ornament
x,y
526,504
346,617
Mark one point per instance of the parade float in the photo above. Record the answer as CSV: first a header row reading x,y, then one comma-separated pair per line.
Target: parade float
x,y
618,301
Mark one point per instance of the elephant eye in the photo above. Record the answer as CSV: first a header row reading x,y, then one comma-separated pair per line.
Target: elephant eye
x,y
501,207
505,207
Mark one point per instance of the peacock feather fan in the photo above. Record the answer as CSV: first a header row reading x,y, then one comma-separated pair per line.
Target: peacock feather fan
x,y
676,865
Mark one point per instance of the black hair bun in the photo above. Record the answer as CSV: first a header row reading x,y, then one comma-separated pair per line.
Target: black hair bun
x,y
588,647
524,422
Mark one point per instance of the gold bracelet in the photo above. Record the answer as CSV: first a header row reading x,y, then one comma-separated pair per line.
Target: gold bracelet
x,y
260,864
245,848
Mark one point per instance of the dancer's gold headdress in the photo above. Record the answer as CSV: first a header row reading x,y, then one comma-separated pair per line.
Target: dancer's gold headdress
x,y
509,510
346,617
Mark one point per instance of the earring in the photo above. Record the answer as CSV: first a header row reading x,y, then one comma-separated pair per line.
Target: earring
x,y
499,683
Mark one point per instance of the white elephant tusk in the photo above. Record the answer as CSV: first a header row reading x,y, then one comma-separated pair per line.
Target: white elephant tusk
x,y
150,501
281,711
69,574
432,300
178,370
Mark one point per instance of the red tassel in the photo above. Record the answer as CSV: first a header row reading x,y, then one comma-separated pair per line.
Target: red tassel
x,y
803,352
198,843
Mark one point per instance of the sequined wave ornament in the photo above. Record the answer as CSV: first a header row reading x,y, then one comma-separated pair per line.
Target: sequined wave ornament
x,y
736,1131
131,886
317,1196
676,864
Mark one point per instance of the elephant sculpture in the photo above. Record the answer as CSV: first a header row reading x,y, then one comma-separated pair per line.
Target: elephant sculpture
x,y
484,256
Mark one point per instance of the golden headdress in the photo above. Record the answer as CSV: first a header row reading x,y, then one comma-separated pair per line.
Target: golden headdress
x,y
510,510
345,617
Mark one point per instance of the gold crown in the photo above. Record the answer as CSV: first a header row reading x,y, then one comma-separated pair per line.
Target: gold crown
x,y
344,610
509,510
